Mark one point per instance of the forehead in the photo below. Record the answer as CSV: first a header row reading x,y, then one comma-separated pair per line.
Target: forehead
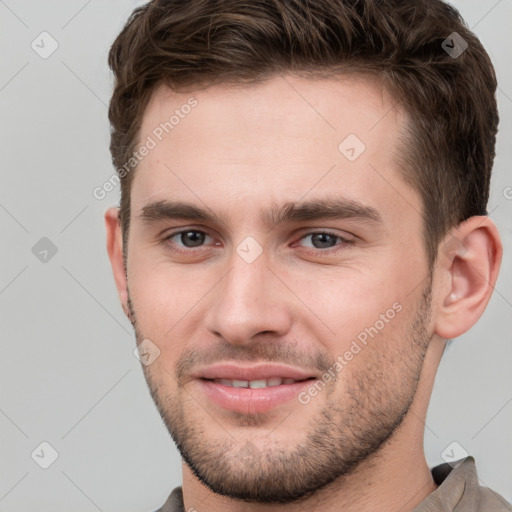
x,y
271,142
336,105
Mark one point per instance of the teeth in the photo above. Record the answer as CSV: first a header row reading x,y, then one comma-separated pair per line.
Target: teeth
x,y
240,383
255,384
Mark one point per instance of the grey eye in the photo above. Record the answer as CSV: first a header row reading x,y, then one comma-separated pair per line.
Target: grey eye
x,y
192,238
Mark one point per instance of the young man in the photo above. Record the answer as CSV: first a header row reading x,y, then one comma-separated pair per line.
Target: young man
x,y
302,227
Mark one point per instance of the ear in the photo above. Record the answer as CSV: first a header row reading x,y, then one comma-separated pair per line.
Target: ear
x,y
115,253
468,264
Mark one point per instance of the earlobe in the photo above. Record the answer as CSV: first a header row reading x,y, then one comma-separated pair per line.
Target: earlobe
x,y
115,253
469,262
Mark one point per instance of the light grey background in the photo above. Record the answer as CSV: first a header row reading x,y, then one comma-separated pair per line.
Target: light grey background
x,y
68,373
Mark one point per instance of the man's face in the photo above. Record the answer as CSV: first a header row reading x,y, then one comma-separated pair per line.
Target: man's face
x,y
345,295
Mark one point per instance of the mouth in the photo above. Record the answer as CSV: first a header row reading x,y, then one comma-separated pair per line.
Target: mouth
x,y
257,384
253,396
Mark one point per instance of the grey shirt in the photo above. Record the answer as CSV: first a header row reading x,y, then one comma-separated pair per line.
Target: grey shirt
x,y
458,491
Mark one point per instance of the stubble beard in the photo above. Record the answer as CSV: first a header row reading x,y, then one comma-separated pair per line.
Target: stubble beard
x,y
349,429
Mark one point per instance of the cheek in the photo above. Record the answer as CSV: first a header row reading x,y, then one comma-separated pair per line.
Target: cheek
x,y
338,304
165,299
372,354
349,300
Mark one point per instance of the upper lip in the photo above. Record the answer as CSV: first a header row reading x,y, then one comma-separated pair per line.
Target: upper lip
x,y
255,372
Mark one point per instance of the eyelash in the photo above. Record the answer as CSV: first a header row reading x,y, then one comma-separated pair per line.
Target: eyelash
x,y
338,247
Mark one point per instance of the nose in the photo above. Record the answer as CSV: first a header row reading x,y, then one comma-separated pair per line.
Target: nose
x,y
248,301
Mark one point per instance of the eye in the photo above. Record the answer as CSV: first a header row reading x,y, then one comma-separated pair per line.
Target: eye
x,y
324,241
187,238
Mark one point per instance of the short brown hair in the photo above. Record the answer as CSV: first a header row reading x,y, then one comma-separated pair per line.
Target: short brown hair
x,y
448,143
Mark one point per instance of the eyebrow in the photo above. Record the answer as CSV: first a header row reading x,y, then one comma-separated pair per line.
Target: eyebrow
x,y
318,209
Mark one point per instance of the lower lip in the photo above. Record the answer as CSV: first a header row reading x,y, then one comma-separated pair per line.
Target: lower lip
x,y
252,401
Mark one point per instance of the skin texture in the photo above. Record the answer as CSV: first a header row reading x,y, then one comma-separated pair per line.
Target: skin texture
x,y
358,444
